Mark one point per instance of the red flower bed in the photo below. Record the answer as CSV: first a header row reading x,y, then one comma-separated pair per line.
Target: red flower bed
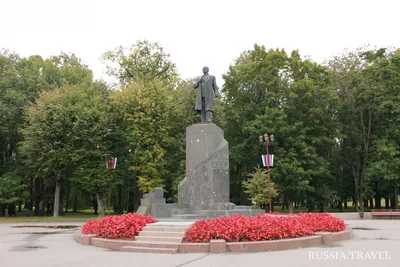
x,y
239,228
125,226
322,222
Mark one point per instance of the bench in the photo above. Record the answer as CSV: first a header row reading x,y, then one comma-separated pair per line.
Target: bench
x,y
386,213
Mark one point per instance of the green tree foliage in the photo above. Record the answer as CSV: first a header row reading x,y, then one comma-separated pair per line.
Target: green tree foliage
x,y
367,84
268,91
154,109
142,61
257,186
69,128
11,188
146,112
336,126
21,80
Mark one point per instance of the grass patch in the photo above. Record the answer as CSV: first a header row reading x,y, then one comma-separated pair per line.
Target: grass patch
x,y
69,216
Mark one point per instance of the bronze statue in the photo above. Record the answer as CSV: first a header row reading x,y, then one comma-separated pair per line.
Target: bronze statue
x,y
206,88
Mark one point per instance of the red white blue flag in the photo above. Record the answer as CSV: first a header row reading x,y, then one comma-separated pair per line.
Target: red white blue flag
x,y
112,163
268,160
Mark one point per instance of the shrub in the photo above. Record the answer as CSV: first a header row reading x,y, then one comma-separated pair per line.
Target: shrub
x,y
239,228
125,226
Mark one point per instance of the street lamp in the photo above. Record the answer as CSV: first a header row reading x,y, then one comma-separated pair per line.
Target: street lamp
x,y
268,139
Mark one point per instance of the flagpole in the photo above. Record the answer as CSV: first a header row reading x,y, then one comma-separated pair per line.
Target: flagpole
x,y
109,193
269,178
112,164
268,140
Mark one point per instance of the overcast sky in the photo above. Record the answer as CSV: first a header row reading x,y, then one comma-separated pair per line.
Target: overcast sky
x,y
196,33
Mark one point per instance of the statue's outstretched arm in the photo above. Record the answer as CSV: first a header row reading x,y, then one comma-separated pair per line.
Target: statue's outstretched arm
x,y
196,84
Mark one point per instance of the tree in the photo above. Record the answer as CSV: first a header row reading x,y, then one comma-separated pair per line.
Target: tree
x,y
354,75
154,108
21,80
64,131
251,84
383,76
272,92
257,187
93,136
145,109
143,62
10,189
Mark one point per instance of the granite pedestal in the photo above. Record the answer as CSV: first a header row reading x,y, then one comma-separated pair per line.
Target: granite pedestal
x,y
206,185
204,192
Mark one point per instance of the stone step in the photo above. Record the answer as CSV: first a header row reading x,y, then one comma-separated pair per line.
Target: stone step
x,y
154,244
150,250
212,213
160,233
179,211
165,229
188,216
243,208
168,224
159,238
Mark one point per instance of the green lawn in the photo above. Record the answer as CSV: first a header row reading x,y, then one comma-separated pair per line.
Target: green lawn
x,y
69,216
85,215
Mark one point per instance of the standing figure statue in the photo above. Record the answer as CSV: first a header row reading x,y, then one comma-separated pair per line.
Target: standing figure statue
x,y
206,88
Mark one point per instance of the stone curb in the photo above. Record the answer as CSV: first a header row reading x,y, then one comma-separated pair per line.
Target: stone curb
x,y
221,246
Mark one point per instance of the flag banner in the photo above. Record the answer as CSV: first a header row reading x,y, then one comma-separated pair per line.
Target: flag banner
x,y
268,160
112,163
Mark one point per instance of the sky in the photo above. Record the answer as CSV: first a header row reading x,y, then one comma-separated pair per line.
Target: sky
x,y
209,33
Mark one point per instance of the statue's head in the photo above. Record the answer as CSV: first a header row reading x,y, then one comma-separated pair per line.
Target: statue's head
x,y
205,70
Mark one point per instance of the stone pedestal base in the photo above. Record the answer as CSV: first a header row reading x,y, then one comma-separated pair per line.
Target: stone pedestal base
x,y
206,185
154,204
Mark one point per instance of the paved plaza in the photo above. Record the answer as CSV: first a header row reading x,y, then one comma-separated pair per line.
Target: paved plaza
x,y
45,247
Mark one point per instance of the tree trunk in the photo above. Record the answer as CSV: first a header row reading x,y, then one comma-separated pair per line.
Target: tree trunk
x,y
67,198
61,203
100,204
284,204
392,202
56,209
121,199
130,201
95,206
365,203
371,203
37,196
396,196
290,206
378,201
310,205
386,202
76,204
361,209
321,207
345,203
137,195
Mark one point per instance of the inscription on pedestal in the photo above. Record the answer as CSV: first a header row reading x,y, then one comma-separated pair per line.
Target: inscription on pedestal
x,y
220,162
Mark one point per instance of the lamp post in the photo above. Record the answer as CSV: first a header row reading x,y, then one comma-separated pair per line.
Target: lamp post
x,y
268,139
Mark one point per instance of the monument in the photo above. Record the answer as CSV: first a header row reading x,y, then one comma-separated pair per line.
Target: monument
x,y
204,192
206,87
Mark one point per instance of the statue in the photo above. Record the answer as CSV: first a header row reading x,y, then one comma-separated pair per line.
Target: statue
x,y
206,88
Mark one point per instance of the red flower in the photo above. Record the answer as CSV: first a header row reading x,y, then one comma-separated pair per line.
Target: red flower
x,y
125,226
238,228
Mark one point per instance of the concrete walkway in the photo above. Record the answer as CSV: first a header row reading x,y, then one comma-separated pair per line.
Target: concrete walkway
x,y
45,247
